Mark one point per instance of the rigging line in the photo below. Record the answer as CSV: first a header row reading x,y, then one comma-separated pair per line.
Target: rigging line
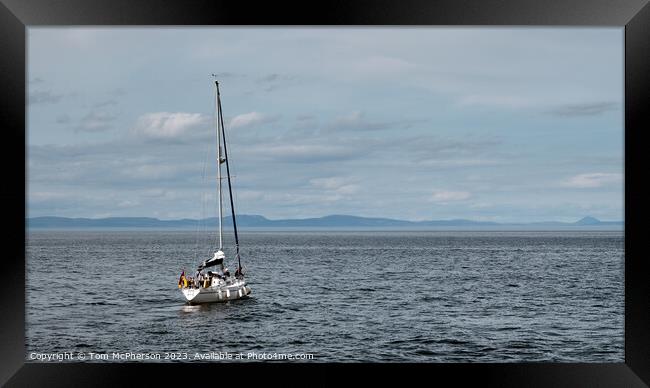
x,y
234,175
206,197
225,154
200,221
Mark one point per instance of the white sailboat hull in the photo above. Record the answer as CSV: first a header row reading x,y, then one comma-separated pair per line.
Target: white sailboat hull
x,y
217,293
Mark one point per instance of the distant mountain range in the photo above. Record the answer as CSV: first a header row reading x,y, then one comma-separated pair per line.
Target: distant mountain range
x,y
332,221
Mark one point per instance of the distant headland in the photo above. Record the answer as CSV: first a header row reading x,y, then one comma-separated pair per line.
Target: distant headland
x,y
327,222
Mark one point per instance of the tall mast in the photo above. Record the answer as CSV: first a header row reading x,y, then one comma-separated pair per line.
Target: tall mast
x,y
225,154
219,161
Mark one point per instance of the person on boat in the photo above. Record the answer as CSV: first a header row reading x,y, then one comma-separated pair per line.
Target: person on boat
x,y
204,281
239,274
220,275
181,280
226,273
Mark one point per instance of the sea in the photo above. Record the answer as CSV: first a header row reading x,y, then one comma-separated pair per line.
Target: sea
x,y
329,296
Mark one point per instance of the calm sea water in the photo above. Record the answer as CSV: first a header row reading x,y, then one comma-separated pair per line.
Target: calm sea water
x,y
340,296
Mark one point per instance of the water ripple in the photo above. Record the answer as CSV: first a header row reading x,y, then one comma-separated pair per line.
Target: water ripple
x,y
353,296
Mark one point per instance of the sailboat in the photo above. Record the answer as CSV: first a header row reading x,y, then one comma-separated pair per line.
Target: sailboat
x,y
218,285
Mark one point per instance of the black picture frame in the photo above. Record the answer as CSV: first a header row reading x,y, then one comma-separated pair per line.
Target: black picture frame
x,y
17,15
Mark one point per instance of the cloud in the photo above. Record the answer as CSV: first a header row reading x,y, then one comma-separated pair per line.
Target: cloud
x,y
274,81
442,163
382,66
105,103
274,77
353,93
167,125
63,119
96,122
492,100
437,150
305,153
356,121
151,172
593,180
44,196
44,97
339,185
228,74
128,204
588,109
331,183
442,196
251,119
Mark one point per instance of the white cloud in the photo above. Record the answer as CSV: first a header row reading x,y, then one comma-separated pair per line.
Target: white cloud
x,y
250,119
168,125
128,204
308,153
443,196
332,183
593,180
339,185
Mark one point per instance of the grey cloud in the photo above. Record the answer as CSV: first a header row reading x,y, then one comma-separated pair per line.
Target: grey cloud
x,y
357,142
63,119
274,81
92,202
44,97
120,163
356,121
96,121
447,152
273,77
587,109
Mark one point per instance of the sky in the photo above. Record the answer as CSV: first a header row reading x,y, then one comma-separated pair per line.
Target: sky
x,y
426,123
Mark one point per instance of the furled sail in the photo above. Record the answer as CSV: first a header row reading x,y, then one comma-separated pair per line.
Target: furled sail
x,y
216,260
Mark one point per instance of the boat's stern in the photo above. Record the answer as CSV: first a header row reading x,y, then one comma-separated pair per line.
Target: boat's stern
x,y
190,293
